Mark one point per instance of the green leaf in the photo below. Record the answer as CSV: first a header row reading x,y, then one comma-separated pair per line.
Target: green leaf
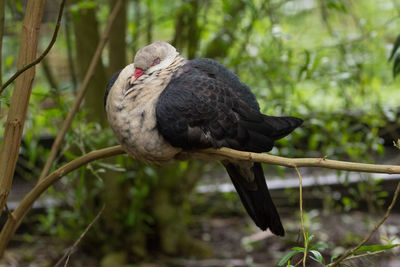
x,y
396,46
319,245
338,5
374,248
334,256
396,66
113,167
9,60
82,5
309,238
298,249
287,257
18,6
317,256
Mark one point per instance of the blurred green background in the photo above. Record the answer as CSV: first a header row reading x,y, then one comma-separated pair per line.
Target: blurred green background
x,y
325,61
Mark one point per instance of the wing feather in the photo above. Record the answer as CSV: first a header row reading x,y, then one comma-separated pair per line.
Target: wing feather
x,y
199,110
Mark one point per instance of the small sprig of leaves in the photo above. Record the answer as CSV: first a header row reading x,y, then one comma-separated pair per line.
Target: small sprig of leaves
x,y
312,251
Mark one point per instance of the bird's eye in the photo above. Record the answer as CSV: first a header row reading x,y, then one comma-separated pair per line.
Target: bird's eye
x,y
156,61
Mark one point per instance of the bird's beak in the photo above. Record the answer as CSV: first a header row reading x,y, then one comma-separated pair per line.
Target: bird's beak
x,y
138,72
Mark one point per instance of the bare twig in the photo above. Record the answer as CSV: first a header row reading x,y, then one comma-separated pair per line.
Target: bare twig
x,y
45,52
60,137
299,162
364,255
71,249
301,217
351,251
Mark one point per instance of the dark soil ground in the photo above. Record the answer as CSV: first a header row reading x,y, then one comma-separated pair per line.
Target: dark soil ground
x,y
236,242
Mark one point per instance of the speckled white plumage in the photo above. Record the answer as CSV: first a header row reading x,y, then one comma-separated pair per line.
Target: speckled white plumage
x,y
131,111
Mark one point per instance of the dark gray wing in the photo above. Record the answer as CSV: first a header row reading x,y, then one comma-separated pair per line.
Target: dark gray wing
x,y
199,109
215,70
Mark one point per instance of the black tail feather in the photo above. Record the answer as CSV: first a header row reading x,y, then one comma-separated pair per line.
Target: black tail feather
x,y
255,197
282,125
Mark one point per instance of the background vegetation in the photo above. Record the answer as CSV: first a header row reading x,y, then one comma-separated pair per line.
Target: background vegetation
x,y
323,61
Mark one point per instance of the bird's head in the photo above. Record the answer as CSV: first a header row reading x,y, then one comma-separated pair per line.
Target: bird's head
x,y
155,56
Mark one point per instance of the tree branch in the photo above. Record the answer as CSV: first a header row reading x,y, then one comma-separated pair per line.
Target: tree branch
x,y
18,214
299,162
45,52
25,205
60,137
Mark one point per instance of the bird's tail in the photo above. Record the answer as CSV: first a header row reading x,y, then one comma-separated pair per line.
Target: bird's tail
x,y
252,188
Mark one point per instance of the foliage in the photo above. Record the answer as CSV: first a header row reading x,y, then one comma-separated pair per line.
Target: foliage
x,y
324,61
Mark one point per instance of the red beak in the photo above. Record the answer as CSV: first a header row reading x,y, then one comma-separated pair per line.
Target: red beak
x,y
138,73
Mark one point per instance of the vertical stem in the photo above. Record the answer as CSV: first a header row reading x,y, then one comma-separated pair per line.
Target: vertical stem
x,y
301,217
19,102
71,66
149,30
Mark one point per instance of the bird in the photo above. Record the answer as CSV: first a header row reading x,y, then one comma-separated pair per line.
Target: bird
x,y
163,105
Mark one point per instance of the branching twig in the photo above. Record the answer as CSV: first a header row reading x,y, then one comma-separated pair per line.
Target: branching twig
x,y
351,251
45,52
60,137
71,249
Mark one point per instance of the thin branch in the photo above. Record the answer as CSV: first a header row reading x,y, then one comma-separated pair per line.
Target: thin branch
x,y
297,162
222,153
301,217
71,249
351,251
45,52
364,255
60,137
26,203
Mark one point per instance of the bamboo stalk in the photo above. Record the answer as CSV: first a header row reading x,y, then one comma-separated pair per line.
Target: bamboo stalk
x,y
19,102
